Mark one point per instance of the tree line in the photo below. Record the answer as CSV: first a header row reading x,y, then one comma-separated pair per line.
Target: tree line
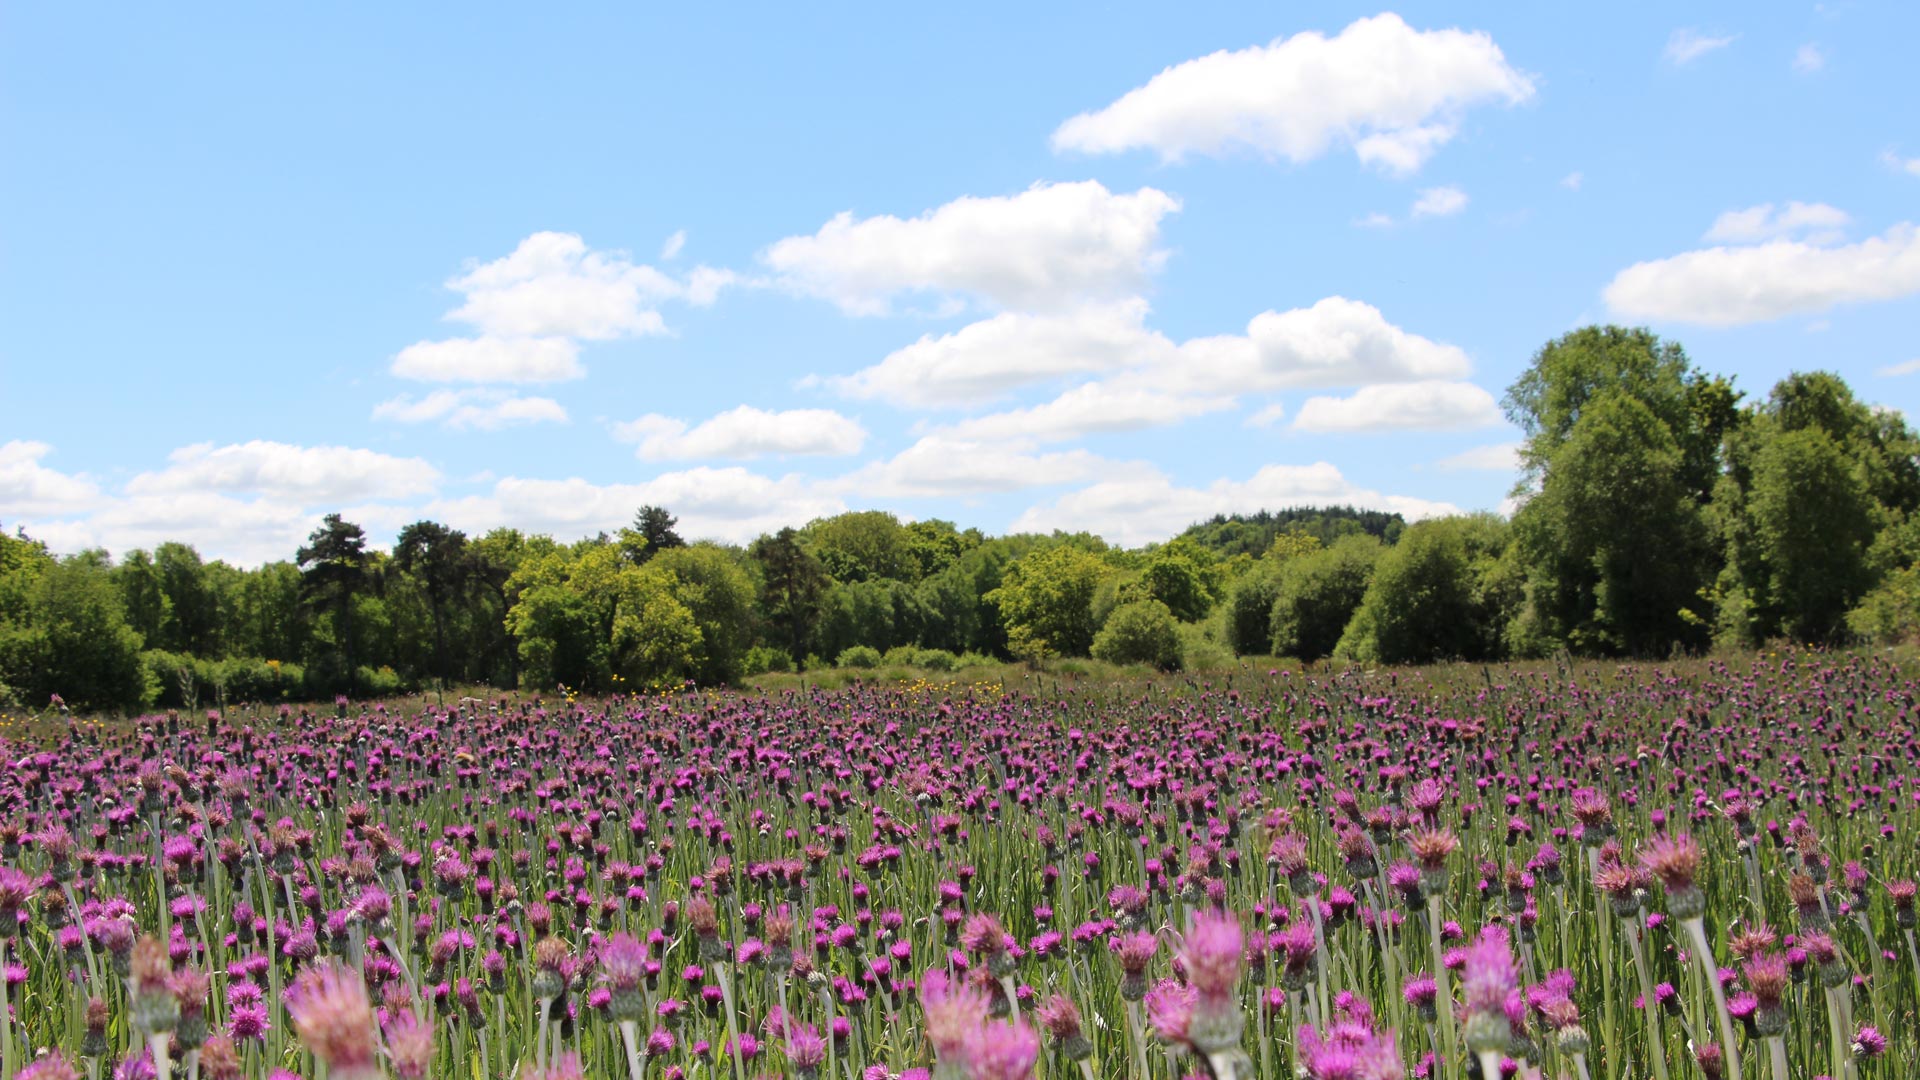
x,y
1657,510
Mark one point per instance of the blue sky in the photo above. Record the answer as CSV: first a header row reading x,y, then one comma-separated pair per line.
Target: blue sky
x,y
1018,266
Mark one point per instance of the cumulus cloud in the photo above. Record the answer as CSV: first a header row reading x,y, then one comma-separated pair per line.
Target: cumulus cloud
x,y
480,408
1089,409
1730,286
730,504
532,307
743,433
490,360
1335,342
1393,94
1050,246
1422,406
1910,166
1439,202
1686,45
1147,506
983,360
1809,58
1499,457
942,465
29,489
332,474
1815,222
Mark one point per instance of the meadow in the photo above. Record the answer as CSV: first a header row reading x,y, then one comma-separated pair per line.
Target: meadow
x,y
1591,870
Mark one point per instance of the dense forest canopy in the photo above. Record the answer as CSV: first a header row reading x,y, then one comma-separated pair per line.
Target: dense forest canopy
x,y
1656,510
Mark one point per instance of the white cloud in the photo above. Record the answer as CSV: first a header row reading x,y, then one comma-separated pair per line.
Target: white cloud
x,y
1572,181
940,465
1904,367
330,474
1439,202
1421,406
1375,220
481,408
743,433
730,504
553,285
985,359
1728,286
1500,457
1910,166
490,360
1815,222
1267,416
29,489
1049,246
1808,59
1088,409
1336,342
671,249
1687,45
1146,506
1393,93
244,532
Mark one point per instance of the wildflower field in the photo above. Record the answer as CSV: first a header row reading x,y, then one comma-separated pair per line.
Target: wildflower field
x,y
1701,868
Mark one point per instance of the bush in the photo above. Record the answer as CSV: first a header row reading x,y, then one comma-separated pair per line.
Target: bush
x,y
1889,614
380,682
900,656
971,659
1318,596
1143,632
764,658
1201,649
935,660
858,658
1250,610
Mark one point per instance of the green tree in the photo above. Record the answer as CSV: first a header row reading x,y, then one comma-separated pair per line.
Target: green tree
x,y
1318,594
1249,628
333,566
1441,593
193,623
72,637
1185,577
866,545
792,583
1048,597
145,597
651,533
710,582
436,556
1142,632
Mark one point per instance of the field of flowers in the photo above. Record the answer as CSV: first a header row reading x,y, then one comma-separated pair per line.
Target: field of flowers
x,y
1695,869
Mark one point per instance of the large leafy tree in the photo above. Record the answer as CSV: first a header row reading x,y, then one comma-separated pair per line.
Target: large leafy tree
x,y
333,573
652,532
437,557
1046,599
1318,593
792,584
1442,593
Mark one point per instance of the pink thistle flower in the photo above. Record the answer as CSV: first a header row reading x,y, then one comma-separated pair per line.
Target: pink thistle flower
x,y
1001,1051
332,1016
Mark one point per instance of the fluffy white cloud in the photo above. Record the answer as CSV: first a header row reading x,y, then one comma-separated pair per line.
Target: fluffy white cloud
x,y
1500,457
485,409
1808,59
1814,222
1049,246
1147,506
1910,166
1728,286
729,504
30,490
533,306
1336,342
1088,409
940,465
985,359
490,360
1421,406
1439,202
743,433
1687,45
1393,93
330,474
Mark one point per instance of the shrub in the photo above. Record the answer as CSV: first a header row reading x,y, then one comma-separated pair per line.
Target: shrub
x,y
764,658
935,660
1319,594
858,658
1143,632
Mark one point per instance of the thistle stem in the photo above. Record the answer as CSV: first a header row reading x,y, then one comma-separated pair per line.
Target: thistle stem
x,y
1704,951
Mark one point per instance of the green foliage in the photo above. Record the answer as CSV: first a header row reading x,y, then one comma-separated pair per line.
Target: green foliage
x,y
1890,614
1318,593
1142,632
792,583
1047,599
1185,577
1253,534
1441,593
63,630
1250,609
713,585
867,545
858,657
764,658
